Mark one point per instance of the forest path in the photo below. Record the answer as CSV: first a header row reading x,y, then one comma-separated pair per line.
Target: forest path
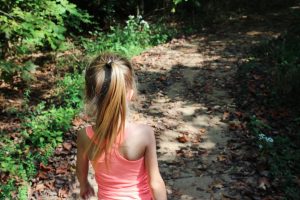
x,y
187,93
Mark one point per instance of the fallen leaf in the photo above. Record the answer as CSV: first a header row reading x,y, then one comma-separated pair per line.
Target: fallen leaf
x,y
45,168
67,146
42,175
61,170
238,113
62,193
222,158
225,116
163,78
234,126
40,187
197,139
263,183
77,121
256,77
217,184
183,139
50,184
202,130
58,150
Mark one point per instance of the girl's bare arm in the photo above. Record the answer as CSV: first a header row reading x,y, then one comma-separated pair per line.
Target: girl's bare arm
x,y
156,182
82,166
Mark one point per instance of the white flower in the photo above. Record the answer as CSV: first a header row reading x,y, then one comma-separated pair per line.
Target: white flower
x,y
261,136
269,139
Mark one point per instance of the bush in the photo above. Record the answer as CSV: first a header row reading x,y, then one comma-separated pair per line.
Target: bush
x,y
129,40
283,57
9,69
26,26
42,130
282,154
30,24
287,71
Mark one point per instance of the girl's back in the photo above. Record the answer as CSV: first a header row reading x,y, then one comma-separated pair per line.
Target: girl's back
x,y
124,175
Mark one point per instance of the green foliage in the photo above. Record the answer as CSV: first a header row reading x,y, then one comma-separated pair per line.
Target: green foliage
x,y
30,24
42,130
283,57
283,155
7,154
5,189
287,74
9,69
129,40
22,192
47,126
70,90
176,3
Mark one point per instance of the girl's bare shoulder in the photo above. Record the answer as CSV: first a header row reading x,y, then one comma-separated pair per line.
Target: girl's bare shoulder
x,y
141,130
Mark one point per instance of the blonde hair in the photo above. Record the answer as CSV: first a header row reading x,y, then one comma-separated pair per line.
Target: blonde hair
x,y
107,80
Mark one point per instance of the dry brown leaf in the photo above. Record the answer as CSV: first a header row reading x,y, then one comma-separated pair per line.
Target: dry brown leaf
x,y
217,184
39,187
45,168
183,139
238,113
67,146
256,77
225,116
222,158
202,130
50,184
163,78
42,175
77,121
263,183
234,125
62,193
61,170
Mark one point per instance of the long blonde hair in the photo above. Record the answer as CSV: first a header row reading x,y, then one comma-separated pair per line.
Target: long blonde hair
x,y
107,80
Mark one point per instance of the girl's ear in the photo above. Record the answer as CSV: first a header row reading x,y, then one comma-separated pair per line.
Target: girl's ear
x,y
129,94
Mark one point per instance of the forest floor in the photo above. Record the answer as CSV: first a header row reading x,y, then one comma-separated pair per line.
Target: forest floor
x,y
188,94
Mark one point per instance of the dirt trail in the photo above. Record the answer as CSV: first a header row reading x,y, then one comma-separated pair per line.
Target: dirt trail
x,y
186,93
186,90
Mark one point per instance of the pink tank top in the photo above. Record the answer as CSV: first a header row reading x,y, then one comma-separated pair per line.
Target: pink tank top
x,y
124,180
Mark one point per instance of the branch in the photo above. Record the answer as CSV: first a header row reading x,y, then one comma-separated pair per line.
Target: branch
x,y
5,13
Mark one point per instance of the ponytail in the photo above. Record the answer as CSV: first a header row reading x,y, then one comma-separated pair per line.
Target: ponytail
x,y
107,81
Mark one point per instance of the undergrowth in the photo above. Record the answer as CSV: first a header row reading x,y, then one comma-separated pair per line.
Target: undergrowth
x,y
270,94
130,40
42,130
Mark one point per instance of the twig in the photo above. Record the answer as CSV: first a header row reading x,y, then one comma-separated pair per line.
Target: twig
x,y
5,13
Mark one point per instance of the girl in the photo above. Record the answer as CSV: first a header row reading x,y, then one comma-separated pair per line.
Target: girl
x,y
123,154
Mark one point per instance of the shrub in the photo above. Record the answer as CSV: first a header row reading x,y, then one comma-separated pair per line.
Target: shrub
x,y
9,69
129,40
30,24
